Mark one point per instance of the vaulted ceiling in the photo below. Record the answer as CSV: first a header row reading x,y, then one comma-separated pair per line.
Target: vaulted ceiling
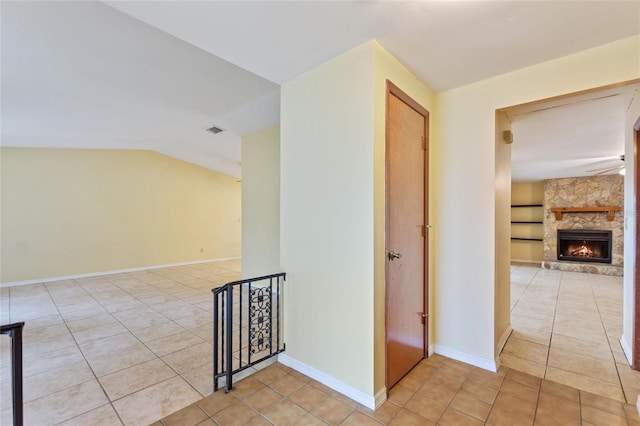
x,y
156,74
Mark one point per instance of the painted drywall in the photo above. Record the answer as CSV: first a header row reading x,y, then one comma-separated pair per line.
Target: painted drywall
x,y
630,220
386,67
465,183
502,285
76,211
527,193
261,203
326,226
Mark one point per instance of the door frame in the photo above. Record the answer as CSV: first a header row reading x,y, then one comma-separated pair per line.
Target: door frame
x,y
635,355
393,90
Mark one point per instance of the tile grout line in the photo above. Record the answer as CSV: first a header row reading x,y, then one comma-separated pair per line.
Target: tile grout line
x,y
85,360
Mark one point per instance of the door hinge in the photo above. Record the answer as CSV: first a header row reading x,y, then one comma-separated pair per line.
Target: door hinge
x,y
424,143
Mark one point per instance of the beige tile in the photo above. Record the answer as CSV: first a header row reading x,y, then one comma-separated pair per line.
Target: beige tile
x,y
332,411
201,379
514,403
112,362
436,392
426,407
217,402
263,398
526,350
172,343
576,345
605,404
359,419
409,418
189,416
145,321
523,365
600,417
468,404
556,411
284,412
190,358
480,391
157,331
559,390
246,387
308,420
599,387
308,397
132,379
52,380
446,379
384,413
157,401
106,330
64,404
453,417
400,395
236,414
100,416
583,365
499,416
287,384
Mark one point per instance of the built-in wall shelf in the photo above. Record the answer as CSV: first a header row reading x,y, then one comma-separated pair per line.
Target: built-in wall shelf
x,y
523,221
521,224
609,210
526,239
526,205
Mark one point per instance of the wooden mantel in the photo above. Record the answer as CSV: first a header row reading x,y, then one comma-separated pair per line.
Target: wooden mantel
x,y
610,210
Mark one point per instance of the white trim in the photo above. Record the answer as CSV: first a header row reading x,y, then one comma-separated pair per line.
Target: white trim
x,y
380,397
485,363
503,340
347,390
116,271
430,350
626,348
638,405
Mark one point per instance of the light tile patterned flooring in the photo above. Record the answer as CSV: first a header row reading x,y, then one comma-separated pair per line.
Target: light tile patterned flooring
x,y
129,347
437,391
132,348
567,327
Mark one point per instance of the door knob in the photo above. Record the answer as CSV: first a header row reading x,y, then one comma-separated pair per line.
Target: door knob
x,y
393,255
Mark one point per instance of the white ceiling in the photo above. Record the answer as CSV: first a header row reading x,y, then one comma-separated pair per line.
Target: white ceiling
x,y
575,136
155,74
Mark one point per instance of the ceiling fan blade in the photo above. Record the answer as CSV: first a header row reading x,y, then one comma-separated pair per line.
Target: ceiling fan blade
x,y
619,166
610,169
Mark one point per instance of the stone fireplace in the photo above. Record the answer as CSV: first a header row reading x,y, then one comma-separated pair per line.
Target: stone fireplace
x,y
584,241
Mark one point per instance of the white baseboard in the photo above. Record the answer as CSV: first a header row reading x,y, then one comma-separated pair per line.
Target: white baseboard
x,y
485,363
117,271
369,401
430,350
638,405
380,397
626,348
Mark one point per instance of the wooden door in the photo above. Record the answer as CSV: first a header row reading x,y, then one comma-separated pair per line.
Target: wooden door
x,y
406,248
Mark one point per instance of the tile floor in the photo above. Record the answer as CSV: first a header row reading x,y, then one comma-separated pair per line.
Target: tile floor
x,y
437,391
125,348
567,327
132,348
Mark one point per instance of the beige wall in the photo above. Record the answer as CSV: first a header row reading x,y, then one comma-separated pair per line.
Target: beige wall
x,y
71,211
261,203
327,211
527,193
465,184
502,285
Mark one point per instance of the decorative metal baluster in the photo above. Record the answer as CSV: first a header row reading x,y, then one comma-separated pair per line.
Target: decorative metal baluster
x,y
229,330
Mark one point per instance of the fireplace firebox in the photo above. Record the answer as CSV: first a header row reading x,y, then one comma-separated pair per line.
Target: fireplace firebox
x,y
584,245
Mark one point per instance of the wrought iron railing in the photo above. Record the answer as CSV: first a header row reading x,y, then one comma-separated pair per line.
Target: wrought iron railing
x,y
14,331
247,325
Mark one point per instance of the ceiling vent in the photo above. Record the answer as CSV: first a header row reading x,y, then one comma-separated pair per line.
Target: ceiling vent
x,y
215,130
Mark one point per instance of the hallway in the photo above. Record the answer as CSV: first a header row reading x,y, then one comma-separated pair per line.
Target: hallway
x,y
566,328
